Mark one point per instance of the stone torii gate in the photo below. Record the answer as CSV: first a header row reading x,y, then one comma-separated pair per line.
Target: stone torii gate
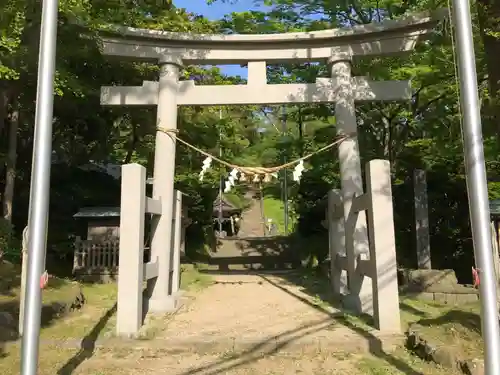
x,y
336,47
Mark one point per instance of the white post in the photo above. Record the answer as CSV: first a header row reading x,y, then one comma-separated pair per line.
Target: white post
x,y
131,268
24,267
382,247
357,247
496,259
176,267
232,225
336,234
163,187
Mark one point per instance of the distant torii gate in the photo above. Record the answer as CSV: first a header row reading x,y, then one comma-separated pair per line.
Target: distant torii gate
x,y
336,47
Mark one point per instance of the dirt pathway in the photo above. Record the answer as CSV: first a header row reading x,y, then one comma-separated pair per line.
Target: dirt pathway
x,y
245,324
192,364
258,313
251,223
248,309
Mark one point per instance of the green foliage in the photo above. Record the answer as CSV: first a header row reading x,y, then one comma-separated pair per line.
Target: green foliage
x,y
423,133
237,200
493,190
6,236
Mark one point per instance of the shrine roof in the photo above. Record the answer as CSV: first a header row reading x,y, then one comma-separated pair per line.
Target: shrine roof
x,y
97,212
417,21
376,38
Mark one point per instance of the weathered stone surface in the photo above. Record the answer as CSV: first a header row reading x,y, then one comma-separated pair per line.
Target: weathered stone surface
x,y
6,319
451,298
473,367
450,288
444,357
103,277
448,298
325,268
351,303
424,296
467,298
440,297
435,285
422,279
412,340
73,300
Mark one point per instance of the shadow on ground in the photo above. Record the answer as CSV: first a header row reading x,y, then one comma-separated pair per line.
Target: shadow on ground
x,y
64,298
277,252
311,285
467,319
87,347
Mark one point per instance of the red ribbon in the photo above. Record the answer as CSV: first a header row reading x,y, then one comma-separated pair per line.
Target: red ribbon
x,y
44,280
475,277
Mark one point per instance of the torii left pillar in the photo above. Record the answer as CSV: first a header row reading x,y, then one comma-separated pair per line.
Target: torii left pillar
x,y
161,297
356,244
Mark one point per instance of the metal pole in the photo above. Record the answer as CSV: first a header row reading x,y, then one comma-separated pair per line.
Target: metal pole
x,y
262,214
221,181
37,226
476,184
285,182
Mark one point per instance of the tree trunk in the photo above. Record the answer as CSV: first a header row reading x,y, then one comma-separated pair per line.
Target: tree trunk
x,y
131,145
4,110
4,107
300,124
489,25
10,175
386,138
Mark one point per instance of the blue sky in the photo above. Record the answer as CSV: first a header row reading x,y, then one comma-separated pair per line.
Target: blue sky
x,y
217,11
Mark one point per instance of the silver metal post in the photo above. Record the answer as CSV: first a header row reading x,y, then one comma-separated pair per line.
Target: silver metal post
x,y
262,213
476,184
38,221
285,182
221,181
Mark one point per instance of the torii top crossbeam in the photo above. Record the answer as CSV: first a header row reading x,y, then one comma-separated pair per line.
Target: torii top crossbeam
x,y
389,37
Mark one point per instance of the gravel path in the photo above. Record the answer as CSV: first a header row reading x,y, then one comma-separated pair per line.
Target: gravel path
x,y
258,313
249,306
244,324
192,364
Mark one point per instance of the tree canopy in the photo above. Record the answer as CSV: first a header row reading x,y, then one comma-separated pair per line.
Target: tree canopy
x,y
423,133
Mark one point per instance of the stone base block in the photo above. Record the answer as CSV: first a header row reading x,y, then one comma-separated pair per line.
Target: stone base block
x,y
166,304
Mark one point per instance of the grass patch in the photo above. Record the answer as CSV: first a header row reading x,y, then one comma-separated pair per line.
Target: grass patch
x,y
99,309
62,340
457,327
398,363
97,317
51,360
61,335
275,209
192,279
57,300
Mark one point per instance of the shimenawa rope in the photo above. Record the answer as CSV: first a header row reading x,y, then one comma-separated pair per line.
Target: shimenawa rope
x,y
253,170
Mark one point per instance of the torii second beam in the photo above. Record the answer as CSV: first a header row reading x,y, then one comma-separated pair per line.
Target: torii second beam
x,y
325,90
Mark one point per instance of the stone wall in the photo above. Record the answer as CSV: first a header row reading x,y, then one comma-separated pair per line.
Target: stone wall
x,y
441,355
435,285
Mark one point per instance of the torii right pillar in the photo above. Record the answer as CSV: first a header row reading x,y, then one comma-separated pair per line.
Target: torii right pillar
x,y
360,287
